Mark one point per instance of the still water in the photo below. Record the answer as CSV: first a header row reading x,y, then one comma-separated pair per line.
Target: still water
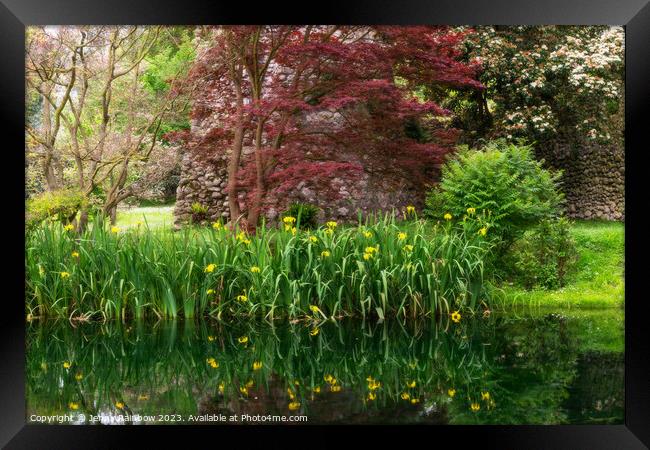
x,y
529,368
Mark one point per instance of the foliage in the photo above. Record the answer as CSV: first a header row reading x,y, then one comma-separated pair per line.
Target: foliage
x,y
376,269
199,211
61,205
306,215
543,256
502,181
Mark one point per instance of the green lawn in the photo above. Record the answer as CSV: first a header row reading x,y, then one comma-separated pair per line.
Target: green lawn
x,y
598,281
154,216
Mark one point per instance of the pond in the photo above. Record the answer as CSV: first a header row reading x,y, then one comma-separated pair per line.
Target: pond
x,y
528,368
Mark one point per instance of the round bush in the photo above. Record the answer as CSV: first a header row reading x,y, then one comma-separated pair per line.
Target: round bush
x,y
503,183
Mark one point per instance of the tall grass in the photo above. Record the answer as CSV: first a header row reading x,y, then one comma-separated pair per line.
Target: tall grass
x,y
377,268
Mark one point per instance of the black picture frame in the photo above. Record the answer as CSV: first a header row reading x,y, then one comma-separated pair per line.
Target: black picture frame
x,y
15,15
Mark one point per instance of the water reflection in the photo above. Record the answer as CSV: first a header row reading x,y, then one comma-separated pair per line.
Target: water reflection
x,y
538,369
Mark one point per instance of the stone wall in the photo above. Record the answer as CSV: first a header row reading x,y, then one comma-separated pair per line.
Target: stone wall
x,y
593,183
202,181
593,179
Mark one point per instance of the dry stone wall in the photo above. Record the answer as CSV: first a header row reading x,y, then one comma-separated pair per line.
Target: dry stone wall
x,y
593,179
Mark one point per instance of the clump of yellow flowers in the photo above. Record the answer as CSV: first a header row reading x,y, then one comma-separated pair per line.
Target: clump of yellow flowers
x,y
68,227
255,269
242,298
210,268
212,362
325,254
257,365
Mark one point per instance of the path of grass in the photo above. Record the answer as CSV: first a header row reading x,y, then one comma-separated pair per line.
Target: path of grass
x,y
598,281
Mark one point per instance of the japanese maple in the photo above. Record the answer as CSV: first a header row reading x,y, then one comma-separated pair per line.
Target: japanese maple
x,y
314,103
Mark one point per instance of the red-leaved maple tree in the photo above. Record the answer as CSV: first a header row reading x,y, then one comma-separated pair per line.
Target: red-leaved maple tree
x,y
291,104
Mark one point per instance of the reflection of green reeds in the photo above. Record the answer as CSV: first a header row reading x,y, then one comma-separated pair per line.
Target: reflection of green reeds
x,y
525,364
369,270
168,363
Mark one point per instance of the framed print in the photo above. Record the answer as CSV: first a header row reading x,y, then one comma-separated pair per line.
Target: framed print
x,y
399,219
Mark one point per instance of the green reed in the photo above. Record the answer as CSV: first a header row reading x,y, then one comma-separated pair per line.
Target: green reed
x,y
378,268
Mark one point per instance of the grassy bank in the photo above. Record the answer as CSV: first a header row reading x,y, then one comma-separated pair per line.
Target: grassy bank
x,y
598,281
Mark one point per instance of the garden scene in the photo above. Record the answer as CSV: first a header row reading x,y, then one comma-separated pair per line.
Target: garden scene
x,y
325,224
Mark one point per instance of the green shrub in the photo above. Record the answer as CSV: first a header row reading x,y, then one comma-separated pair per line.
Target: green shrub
x,y
306,215
61,205
199,212
504,183
543,256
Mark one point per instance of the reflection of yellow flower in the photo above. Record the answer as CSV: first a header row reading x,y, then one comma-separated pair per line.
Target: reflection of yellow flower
x,y
243,339
291,394
447,216
408,248
243,390
455,316
373,385
255,269
411,384
66,364
372,396
451,392
210,338
293,406
485,396
405,395
257,365
249,383
78,376
367,256
415,400
314,308
75,254
143,397
401,236
65,274
119,405
328,378
73,405
475,407
210,268
314,331
222,386
316,390
325,254
335,388
329,231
